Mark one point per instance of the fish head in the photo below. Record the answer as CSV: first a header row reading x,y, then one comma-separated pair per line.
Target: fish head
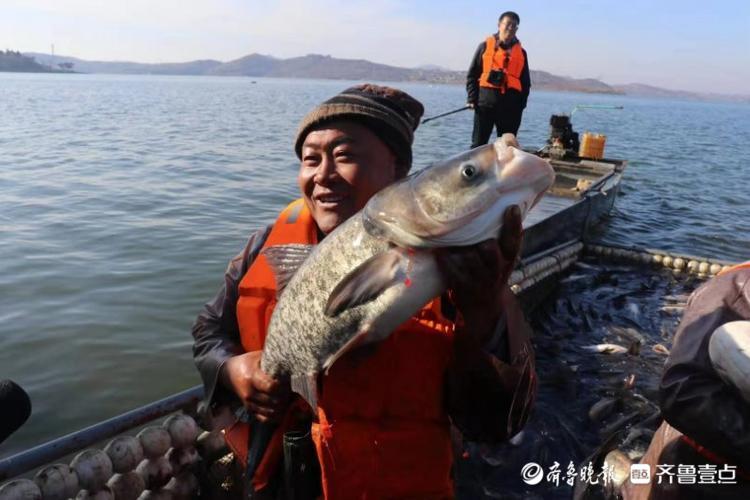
x,y
459,201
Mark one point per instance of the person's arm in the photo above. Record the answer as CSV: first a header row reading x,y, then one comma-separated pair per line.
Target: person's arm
x,y
693,398
472,76
525,80
491,381
215,331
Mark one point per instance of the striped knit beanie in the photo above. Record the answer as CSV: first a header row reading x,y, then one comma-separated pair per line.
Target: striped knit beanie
x,y
389,113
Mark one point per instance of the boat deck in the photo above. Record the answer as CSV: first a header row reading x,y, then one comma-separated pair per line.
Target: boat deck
x,y
583,193
549,205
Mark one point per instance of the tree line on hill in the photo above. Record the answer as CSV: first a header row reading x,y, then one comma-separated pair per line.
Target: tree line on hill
x,y
15,61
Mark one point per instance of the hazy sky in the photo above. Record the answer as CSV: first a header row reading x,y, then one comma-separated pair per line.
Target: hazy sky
x,y
678,44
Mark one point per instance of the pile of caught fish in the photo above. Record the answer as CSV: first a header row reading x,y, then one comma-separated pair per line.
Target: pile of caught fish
x,y
601,341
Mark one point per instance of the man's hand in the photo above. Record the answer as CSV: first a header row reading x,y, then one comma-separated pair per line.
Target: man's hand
x,y
265,397
471,104
477,275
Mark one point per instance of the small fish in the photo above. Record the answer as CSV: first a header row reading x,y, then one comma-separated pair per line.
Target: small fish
x,y
620,423
628,382
628,333
603,408
638,433
619,463
634,309
606,348
634,348
586,489
673,309
660,349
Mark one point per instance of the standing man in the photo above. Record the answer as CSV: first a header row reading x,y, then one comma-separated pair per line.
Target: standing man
x,y
498,82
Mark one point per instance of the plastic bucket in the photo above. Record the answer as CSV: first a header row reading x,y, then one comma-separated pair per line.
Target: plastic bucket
x,y
592,145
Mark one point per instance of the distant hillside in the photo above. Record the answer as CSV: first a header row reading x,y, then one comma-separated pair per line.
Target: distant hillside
x,y
200,67
318,66
314,66
327,67
20,63
544,80
641,89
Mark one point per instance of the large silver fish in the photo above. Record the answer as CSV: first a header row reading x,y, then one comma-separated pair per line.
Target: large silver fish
x,y
376,270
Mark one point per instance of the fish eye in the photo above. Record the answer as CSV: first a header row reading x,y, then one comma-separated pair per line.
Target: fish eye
x,y
468,171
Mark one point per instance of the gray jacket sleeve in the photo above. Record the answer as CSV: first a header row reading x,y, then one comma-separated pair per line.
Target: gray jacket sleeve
x,y
694,400
216,333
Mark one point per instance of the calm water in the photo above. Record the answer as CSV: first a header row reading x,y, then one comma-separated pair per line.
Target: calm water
x,y
123,197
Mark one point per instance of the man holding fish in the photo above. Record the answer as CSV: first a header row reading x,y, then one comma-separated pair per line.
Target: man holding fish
x,y
382,301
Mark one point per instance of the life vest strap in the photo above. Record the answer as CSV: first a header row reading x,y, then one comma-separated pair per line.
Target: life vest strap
x,y
714,457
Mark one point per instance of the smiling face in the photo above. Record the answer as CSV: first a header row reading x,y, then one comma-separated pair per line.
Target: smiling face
x,y
343,165
507,28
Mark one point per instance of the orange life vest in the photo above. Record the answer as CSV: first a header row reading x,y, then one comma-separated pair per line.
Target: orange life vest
x,y
382,428
510,61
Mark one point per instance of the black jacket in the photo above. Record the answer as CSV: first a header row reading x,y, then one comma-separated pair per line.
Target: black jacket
x,y
487,97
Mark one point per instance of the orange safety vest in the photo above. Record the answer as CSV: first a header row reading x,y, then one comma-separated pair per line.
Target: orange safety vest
x,y
511,61
382,428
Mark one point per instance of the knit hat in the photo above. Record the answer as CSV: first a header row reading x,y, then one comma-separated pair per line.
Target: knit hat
x,y
389,113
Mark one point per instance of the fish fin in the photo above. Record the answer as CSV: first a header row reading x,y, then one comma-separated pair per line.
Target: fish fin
x,y
306,385
367,281
285,260
358,339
